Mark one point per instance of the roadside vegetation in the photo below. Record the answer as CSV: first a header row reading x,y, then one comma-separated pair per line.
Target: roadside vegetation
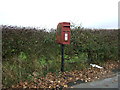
x,y
34,52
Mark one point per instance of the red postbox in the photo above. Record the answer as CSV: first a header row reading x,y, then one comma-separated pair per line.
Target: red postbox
x,y
63,33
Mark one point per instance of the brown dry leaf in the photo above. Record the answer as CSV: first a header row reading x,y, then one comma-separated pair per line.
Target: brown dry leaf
x,y
77,78
86,81
25,83
49,87
74,82
65,85
71,87
58,81
24,86
51,81
35,74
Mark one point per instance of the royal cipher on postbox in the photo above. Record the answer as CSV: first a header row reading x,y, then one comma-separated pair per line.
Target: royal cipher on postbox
x,y
63,33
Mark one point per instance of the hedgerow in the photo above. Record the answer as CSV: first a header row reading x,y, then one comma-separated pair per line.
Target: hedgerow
x,y
28,50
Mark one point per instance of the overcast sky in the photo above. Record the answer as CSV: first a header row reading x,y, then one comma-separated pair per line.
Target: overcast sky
x,y
48,13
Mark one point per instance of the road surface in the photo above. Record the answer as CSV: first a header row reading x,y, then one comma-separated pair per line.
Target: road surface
x,y
112,82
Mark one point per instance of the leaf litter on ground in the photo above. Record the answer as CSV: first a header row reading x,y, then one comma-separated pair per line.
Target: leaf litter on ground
x,y
64,80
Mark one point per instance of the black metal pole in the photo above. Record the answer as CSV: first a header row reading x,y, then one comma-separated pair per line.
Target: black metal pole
x,y
62,58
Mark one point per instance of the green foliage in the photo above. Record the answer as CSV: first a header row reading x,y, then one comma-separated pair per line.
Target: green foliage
x,y
42,61
77,58
22,56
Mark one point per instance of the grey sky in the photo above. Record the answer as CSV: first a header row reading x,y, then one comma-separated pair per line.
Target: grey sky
x,y
48,13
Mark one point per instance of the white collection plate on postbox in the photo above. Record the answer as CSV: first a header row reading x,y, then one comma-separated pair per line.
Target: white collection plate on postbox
x,y
66,36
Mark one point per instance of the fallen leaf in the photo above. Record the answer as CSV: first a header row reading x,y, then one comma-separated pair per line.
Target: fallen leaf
x,y
65,85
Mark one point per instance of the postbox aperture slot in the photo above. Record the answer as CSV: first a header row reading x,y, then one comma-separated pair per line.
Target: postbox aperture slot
x,y
66,31
67,26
